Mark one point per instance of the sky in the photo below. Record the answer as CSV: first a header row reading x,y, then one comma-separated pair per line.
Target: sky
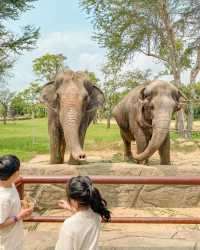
x,y
64,28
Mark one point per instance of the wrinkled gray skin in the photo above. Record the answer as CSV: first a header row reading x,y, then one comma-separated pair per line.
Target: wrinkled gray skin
x,y
72,102
144,115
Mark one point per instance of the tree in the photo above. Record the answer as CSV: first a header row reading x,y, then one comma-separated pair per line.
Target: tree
x,y
31,97
92,77
110,87
47,66
27,101
117,84
18,105
10,43
5,99
131,79
192,92
167,30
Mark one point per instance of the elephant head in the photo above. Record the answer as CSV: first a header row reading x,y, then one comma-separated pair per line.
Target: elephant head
x,y
74,100
157,102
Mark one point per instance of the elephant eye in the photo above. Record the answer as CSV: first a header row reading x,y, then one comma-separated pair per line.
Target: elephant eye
x,y
86,98
152,107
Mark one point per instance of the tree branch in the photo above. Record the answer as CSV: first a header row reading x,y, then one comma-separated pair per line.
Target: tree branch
x,y
195,70
153,55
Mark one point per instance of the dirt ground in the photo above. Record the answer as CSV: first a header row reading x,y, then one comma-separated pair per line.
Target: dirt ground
x,y
186,158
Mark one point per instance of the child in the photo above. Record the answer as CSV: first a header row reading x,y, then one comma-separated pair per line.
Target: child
x,y
11,214
81,230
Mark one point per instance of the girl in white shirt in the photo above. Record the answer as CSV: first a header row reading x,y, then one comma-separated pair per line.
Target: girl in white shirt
x,y
81,230
11,213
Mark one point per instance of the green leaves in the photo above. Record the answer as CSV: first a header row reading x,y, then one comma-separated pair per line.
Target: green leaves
x,y
47,66
165,30
27,101
12,44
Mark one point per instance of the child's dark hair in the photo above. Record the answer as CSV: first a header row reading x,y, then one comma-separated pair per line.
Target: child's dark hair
x,y
81,189
9,164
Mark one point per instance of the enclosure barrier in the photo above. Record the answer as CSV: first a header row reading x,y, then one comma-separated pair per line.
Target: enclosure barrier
x,y
169,180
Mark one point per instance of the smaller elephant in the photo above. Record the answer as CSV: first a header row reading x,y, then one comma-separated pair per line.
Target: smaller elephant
x,y
144,115
72,101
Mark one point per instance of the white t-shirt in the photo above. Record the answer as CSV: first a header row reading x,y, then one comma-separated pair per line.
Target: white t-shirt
x,y
11,237
80,232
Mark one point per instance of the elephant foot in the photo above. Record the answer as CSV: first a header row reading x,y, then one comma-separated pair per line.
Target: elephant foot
x,y
144,162
72,161
56,161
129,158
165,163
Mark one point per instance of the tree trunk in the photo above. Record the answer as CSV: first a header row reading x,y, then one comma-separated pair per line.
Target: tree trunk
x,y
95,119
193,74
108,121
109,118
173,60
190,119
4,119
5,113
180,118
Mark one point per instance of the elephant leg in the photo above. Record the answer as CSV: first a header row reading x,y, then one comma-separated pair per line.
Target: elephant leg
x,y
55,145
164,151
141,143
62,148
127,146
82,139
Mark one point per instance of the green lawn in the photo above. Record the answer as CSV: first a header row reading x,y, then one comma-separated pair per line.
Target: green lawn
x,y
30,137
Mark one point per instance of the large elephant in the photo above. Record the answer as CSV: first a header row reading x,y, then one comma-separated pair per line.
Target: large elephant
x,y
72,101
144,115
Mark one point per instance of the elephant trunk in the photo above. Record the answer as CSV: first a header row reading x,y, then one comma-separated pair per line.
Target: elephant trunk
x,y
71,124
160,131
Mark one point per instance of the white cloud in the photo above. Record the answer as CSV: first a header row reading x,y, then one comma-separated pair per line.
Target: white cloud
x,y
90,61
81,52
63,40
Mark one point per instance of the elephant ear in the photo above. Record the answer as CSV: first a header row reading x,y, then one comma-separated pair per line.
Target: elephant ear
x,y
96,97
143,104
48,96
181,100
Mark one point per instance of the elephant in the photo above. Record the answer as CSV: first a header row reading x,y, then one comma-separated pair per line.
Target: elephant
x,y
72,101
144,116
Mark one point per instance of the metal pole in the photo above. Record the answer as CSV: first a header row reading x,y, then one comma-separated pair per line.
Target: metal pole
x,y
135,220
98,179
20,187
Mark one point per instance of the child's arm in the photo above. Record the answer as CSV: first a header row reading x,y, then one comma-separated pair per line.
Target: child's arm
x,y
65,205
12,220
8,222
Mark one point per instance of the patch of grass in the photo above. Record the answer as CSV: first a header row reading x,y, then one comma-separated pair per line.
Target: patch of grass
x,y
28,138
24,138
195,136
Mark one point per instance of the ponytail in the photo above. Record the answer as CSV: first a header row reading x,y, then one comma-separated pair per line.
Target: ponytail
x,y
81,189
99,205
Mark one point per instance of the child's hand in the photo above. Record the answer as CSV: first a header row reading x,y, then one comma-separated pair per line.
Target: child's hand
x,y
24,213
64,204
